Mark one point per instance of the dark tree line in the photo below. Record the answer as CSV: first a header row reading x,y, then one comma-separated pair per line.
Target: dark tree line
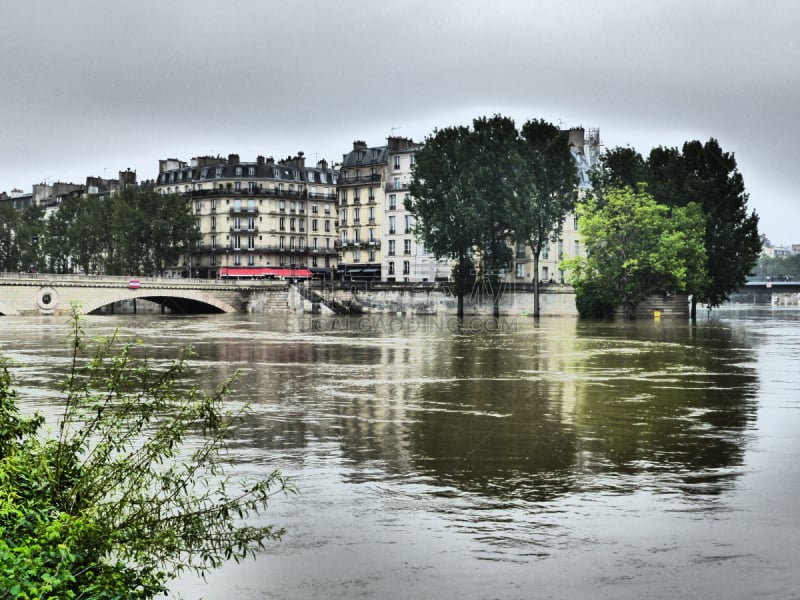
x,y
133,232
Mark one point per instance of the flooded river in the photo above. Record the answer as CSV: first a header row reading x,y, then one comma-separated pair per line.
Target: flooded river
x,y
509,459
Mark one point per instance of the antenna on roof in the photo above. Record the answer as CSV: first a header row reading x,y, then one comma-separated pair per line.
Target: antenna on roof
x,y
392,130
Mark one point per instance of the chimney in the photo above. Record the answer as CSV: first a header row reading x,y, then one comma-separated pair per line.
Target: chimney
x,y
323,164
233,159
260,160
359,145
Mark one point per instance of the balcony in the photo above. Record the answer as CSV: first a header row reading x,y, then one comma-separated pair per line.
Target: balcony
x,y
350,179
240,229
397,187
247,210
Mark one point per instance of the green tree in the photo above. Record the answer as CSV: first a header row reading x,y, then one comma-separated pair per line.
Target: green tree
x,y
546,189
705,174
117,503
636,247
9,246
732,241
446,204
618,167
30,239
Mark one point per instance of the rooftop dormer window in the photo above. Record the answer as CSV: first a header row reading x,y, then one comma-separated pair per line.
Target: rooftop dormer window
x,y
251,171
203,173
238,171
219,171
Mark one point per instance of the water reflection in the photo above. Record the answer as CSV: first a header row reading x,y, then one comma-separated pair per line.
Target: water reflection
x,y
509,443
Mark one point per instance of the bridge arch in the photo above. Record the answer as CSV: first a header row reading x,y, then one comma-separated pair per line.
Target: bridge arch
x,y
185,301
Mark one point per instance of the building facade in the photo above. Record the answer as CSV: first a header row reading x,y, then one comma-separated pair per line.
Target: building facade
x,y
376,232
257,219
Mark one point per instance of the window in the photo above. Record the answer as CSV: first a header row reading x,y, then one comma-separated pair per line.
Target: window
x,y
251,205
343,217
409,223
356,255
314,208
372,256
238,171
357,235
282,223
575,223
392,201
392,228
251,187
544,273
237,205
391,268
197,206
213,242
371,215
237,259
560,249
251,171
291,243
397,183
282,243
406,267
213,223
520,270
327,209
282,205
301,224
251,223
315,243
237,242
313,261
313,225
343,197
577,248
396,161
545,252
213,205
344,238
238,186
371,235
407,246
371,194
251,260
327,225
292,224
292,206
356,216
391,247
251,242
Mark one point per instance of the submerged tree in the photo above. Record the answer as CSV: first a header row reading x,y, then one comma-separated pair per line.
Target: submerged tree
x,y
635,247
118,503
446,204
546,190
705,174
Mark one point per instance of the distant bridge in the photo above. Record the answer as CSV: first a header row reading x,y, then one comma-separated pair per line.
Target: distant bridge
x,y
51,294
765,292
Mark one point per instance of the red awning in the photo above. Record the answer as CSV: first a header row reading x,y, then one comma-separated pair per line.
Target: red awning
x,y
264,272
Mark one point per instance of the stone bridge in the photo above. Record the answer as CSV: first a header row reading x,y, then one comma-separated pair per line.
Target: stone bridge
x,y
51,294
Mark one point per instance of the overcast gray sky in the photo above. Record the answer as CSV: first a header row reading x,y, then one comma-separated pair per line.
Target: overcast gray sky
x,y
91,87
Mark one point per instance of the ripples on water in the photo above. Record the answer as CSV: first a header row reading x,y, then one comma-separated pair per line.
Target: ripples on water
x,y
573,459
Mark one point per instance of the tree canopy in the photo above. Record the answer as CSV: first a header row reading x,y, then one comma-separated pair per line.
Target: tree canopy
x,y
635,247
706,175
477,190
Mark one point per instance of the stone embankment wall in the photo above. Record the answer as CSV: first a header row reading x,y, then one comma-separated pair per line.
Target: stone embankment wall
x,y
673,306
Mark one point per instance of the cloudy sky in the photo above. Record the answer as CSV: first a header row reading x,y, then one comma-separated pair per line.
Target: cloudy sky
x,y
92,87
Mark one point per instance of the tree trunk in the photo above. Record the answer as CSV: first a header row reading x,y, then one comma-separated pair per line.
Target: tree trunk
x,y
536,308
693,311
460,309
496,303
